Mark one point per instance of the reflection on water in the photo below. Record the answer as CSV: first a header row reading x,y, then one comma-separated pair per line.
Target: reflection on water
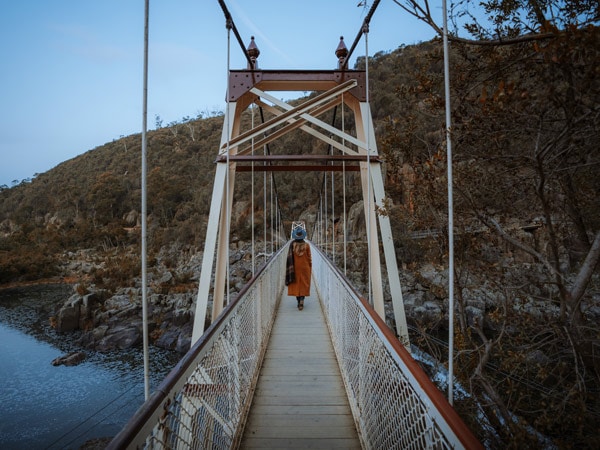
x,y
43,406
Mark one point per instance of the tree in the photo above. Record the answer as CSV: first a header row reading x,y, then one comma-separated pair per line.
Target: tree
x,y
525,96
105,198
506,22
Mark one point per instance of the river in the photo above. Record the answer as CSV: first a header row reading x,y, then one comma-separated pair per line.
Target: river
x,y
44,406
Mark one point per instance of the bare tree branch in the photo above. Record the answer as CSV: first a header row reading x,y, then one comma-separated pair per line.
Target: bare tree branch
x,y
585,272
493,224
423,13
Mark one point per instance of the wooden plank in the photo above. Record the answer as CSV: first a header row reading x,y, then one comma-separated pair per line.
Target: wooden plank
x,y
317,359
300,401
299,431
294,351
304,400
301,420
307,371
301,379
300,409
298,390
297,444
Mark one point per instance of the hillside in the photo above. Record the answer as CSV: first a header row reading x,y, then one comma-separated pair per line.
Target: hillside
x,y
527,221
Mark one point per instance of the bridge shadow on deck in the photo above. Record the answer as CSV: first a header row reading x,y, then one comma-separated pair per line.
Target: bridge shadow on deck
x,y
300,401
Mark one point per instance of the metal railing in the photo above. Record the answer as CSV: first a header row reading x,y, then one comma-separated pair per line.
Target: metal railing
x,y
393,401
203,402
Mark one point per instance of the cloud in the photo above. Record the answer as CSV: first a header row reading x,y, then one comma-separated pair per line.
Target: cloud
x,y
256,31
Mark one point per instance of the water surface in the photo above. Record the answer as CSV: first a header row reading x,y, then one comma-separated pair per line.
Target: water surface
x,y
45,406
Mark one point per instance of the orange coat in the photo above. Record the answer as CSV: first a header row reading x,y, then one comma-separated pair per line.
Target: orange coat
x,y
302,269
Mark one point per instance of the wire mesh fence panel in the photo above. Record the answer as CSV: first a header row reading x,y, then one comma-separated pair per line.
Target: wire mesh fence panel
x,y
394,403
203,402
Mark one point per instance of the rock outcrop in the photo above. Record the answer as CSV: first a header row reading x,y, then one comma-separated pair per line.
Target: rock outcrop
x,y
114,321
70,359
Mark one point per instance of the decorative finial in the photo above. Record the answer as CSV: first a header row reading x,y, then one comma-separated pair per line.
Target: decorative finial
x,y
253,52
341,52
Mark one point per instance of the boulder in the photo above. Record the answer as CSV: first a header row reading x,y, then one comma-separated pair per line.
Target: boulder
x,y
120,337
89,303
70,359
184,341
168,340
181,317
428,312
68,316
118,302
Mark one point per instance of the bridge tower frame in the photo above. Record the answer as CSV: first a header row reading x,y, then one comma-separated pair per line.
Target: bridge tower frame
x,y
251,86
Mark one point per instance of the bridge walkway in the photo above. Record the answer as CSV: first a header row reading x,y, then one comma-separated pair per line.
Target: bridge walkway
x,y
300,401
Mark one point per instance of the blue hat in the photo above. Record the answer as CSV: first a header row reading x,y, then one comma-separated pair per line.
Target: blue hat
x,y
299,234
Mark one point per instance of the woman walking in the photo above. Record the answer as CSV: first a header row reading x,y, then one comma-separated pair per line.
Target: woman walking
x,y
299,267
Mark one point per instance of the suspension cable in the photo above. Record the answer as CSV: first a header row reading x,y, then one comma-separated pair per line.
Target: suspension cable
x,y
271,214
144,182
332,211
252,195
365,25
344,189
229,25
326,210
368,132
229,20
323,195
265,203
94,415
321,221
450,212
344,65
267,151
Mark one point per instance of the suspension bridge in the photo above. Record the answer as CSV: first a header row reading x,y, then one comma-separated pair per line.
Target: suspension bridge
x,y
264,374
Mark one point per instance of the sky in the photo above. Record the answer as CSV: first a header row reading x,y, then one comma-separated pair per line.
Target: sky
x,y
71,75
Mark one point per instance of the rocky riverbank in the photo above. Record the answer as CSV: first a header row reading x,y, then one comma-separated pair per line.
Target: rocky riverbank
x,y
106,321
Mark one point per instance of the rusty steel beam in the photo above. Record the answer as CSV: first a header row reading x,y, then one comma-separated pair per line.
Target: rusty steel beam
x,y
288,158
267,161
297,168
241,81
291,113
292,124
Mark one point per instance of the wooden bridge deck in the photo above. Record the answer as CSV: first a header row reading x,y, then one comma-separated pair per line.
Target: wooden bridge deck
x,y
300,401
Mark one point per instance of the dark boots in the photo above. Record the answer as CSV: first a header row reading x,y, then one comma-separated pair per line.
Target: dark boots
x,y
300,303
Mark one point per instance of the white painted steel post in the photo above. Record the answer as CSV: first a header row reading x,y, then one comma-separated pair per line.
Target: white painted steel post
x,y
208,257
144,209
222,264
387,240
212,228
362,118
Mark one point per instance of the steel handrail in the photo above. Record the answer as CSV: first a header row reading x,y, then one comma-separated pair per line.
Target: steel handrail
x,y
394,402
204,401
171,415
